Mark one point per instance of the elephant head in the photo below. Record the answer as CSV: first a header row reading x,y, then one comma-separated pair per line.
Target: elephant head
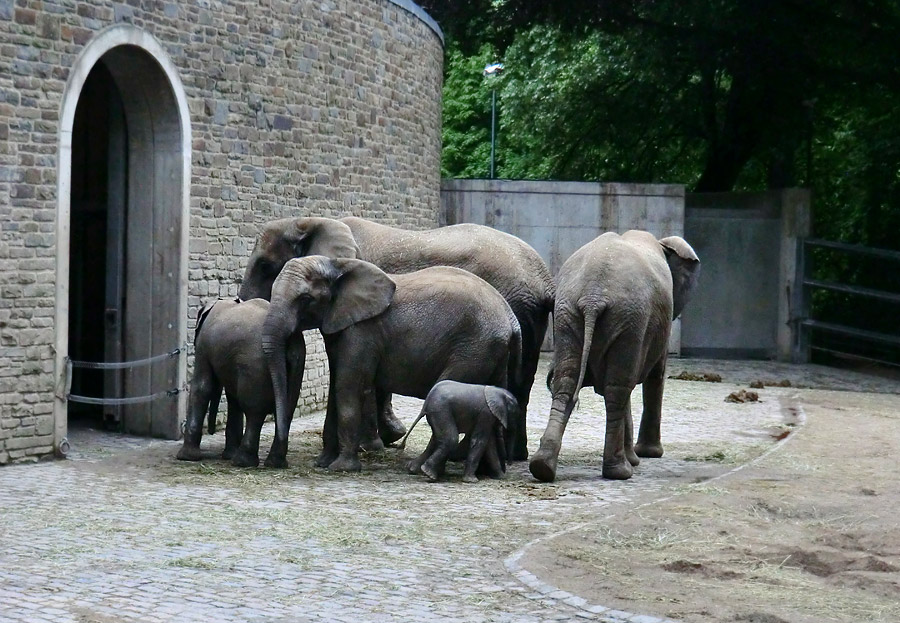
x,y
503,406
685,267
322,293
285,239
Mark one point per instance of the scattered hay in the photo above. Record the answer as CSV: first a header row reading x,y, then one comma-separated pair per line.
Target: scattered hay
x,y
707,377
742,396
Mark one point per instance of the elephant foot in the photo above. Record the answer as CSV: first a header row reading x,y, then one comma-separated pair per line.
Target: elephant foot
x,y
413,467
617,471
372,445
228,453
543,466
345,464
390,429
325,459
649,450
189,453
278,462
470,478
632,457
430,472
245,459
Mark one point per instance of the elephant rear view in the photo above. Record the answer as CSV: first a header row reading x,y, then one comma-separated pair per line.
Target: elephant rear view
x,y
385,333
616,299
228,355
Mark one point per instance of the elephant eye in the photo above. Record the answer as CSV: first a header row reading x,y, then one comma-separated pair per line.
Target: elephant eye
x,y
268,268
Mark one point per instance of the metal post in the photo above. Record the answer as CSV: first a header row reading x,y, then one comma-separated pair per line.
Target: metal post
x,y
493,127
492,70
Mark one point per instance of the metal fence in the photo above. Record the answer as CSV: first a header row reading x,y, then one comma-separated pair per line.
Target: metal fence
x,y
812,332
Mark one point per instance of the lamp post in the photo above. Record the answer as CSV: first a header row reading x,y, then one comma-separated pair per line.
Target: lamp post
x,y
492,70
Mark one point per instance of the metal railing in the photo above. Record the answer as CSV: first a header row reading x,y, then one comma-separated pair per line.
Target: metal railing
x,y
119,365
807,325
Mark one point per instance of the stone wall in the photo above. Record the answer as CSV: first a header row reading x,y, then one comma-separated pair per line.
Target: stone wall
x,y
327,107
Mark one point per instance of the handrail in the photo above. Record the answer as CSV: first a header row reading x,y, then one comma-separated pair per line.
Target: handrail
x,y
859,249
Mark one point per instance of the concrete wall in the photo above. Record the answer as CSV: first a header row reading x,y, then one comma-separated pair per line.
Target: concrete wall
x,y
557,218
295,108
747,243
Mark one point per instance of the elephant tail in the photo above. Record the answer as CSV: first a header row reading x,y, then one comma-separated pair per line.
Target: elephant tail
x,y
590,321
406,436
514,367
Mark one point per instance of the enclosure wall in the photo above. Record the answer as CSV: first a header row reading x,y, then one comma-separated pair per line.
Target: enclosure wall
x,y
296,108
747,243
557,218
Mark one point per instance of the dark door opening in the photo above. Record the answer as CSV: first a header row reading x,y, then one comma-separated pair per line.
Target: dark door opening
x,y
96,269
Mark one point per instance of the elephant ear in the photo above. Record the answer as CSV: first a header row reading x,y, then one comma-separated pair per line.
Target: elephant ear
x,y
361,291
321,236
685,267
498,402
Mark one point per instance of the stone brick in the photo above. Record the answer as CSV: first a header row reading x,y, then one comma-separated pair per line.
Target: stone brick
x,y
291,114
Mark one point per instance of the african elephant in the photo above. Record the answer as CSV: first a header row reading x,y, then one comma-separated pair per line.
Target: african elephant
x,y
504,261
479,411
228,354
398,333
616,299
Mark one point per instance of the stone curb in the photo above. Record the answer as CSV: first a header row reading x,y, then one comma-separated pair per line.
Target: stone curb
x,y
547,592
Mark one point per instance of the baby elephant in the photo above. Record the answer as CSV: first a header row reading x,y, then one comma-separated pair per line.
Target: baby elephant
x,y
481,412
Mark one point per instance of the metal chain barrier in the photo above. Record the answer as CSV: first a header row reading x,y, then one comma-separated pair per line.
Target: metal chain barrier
x,y
121,365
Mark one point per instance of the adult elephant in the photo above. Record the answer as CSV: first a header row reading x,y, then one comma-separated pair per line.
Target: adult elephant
x,y
398,333
616,299
515,270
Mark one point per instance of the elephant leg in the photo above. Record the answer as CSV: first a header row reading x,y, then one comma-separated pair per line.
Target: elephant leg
x,y
349,403
369,439
247,455
415,465
446,436
615,462
329,432
629,436
649,443
532,339
490,465
481,436
203,389
390,428
544,462
234,428
568,329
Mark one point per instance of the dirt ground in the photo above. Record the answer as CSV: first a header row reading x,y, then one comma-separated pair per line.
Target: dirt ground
x,y
807,532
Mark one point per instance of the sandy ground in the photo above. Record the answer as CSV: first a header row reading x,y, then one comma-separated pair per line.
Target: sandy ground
x,y
807,532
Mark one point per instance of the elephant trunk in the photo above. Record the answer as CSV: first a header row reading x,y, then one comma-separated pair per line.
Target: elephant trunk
x,y
274,344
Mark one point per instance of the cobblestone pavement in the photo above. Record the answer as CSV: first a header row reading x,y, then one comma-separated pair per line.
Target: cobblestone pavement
x,y
123,532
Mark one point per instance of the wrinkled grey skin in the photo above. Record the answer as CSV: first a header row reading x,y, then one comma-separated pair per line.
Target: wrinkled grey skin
x,y
481,412
228,354
389,334
616,299
504,261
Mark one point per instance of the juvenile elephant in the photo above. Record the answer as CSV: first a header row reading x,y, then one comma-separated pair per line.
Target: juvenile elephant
x,y
480,412
398,333
228,354
616,299
504,261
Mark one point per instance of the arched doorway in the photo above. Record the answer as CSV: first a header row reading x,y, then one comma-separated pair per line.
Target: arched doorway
x,y
124,169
